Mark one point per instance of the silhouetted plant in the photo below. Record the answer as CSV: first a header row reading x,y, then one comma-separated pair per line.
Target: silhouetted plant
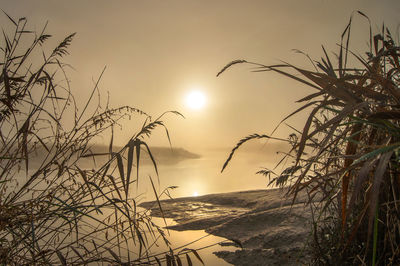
x,y
352,138
53,210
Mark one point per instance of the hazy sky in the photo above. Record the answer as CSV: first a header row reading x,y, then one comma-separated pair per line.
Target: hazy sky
x,y
158,51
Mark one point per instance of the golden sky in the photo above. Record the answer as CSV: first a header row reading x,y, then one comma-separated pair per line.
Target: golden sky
x,y
156,52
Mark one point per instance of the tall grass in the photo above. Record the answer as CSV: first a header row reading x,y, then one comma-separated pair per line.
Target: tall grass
x,y
52,210
346,157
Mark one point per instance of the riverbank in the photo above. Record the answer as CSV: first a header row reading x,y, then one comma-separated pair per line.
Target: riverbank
x,y
270,229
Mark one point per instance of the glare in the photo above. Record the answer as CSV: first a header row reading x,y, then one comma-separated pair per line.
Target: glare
x,y
195,194
195,100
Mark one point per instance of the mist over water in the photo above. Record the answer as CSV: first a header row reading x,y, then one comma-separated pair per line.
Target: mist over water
x,y
191,172
203,175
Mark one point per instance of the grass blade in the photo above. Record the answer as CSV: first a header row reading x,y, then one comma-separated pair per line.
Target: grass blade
x,y
189,261
158,202
61,258
121,169
131,147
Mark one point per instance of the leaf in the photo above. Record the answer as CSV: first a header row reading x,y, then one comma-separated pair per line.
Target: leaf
x,y
378,177
197,255
351,149
168,259
158,202
189,261
324,103
61,258
158,261
178,260
8,43
137,144
93,155
345,112
237,242
362,14
115,185
85,179
362,176
303,139
41,141
376,152
25,131
151,156
385,115
13,21
375,237
131,148
77,253
329,66
120,168
333,89
114,255
49,79
310,96
110,147
267,68
7,87
348,29
95,247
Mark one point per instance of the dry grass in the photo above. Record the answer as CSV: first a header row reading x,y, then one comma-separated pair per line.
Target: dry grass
x,y
54,211
347,154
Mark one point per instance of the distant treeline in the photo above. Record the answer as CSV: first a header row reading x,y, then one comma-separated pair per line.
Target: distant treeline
x,y
99,153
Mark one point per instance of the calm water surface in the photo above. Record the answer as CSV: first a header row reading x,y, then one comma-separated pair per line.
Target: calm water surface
x,y
203,175
198,177
204,243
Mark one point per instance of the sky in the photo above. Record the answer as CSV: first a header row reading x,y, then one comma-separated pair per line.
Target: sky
x,y
156,52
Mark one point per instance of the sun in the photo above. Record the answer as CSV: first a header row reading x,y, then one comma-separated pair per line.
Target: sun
x,y
196,100
195,194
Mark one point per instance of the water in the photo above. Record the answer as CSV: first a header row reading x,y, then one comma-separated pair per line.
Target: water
x,y
197,177
203,175
204,243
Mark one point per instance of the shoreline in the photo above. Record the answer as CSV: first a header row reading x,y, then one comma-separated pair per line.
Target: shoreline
x,y
270,229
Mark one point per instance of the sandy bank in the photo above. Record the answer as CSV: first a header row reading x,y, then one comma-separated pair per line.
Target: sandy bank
x,y
271,231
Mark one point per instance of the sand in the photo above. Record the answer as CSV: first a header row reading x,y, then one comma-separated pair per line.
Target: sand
x,y
270,229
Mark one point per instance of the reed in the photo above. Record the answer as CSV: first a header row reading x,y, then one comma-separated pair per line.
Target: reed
x,y
346,157
52,210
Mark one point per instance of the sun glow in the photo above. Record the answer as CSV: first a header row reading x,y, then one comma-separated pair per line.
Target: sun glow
x,y
195,194
195,100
